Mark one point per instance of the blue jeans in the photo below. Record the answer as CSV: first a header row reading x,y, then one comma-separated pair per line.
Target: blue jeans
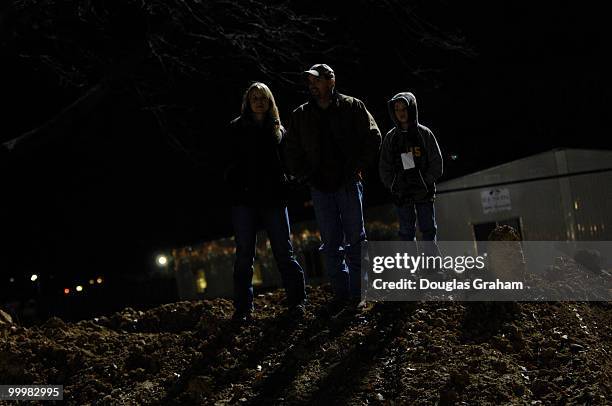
x,y
340,218
426,215
276,222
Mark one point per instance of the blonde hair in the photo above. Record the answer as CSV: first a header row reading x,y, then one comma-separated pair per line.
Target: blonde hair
x,y
273,116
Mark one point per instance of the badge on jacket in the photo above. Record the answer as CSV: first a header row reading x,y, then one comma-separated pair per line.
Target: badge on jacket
x,y
407,160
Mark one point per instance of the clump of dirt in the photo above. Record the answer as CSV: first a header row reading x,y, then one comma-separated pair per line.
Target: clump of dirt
x,y
384,353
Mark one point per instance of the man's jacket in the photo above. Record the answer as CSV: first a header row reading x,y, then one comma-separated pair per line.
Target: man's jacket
x,y
329,147
415,185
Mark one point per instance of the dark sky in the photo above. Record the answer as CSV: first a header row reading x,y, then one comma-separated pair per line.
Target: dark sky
x,y
537,82
527,77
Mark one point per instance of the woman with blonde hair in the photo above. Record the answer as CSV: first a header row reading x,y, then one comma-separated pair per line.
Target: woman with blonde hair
x,y
257,183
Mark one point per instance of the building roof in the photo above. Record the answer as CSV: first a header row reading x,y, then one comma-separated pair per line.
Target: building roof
x,y
557,161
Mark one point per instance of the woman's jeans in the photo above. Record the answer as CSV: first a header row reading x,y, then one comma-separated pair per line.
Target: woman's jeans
x,y
276,222
340,218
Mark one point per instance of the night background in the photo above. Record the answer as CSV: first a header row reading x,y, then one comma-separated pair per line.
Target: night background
x,y
112,150
119,109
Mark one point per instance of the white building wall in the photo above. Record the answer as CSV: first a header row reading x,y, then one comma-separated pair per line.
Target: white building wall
x,y
576,207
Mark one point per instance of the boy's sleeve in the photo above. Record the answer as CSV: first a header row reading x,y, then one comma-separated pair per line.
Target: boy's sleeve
x,y
435,165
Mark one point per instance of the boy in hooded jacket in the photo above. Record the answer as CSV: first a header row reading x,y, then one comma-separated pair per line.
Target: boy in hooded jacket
x,y
410,164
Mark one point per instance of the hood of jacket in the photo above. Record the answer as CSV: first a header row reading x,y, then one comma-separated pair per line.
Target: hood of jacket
x,y
413,111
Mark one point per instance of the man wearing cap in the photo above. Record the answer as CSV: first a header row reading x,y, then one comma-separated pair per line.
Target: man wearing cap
x,y
331,140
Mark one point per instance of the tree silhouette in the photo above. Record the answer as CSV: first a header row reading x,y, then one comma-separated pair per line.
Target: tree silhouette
x,y
164,50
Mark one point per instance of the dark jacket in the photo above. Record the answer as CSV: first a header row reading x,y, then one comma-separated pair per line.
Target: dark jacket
x,y
329,147
415,185
254,172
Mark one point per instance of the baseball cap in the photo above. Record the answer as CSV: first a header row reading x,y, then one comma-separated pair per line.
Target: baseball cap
x,y
320,69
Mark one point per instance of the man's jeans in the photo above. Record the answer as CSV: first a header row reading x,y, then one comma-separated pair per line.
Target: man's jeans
x,y
426,215
340,218
276,222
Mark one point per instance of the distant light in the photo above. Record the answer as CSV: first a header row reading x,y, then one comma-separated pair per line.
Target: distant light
x,y
161,260
34,277
201,281
66,291
91,281
79,288
454,157
12,280
99,280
